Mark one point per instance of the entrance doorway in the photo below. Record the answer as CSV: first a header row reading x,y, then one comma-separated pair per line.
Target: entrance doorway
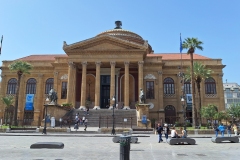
x,y
105,91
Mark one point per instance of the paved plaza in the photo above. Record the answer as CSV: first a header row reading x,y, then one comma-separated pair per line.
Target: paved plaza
x,y
15,146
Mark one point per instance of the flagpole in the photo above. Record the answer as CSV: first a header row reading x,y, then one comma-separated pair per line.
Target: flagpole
x,y
1,45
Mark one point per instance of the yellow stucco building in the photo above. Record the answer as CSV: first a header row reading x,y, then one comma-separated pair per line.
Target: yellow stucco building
x,y
115,62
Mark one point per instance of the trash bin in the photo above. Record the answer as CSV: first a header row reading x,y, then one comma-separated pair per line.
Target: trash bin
x,y
52,122
125,147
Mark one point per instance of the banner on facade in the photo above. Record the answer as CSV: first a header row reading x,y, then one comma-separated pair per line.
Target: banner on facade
x,y
144,119
189,98
29,102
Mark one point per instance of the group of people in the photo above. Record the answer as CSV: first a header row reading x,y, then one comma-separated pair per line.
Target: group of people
x,y
81,121
221,128
166,131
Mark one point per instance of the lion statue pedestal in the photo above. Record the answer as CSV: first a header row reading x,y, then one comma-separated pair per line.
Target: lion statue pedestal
x,y
143,109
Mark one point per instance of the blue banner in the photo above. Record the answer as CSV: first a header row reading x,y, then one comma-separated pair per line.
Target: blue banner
x,y
144,119
29,102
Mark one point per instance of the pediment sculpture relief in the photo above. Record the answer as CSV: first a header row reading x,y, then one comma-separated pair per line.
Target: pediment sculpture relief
x,y
150,76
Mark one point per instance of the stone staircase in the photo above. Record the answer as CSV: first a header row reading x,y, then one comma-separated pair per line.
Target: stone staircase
x,y
103,117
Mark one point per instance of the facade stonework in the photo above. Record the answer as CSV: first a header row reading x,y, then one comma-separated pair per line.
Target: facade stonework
x,y
114,63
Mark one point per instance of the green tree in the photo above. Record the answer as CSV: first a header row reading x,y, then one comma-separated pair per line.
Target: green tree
x,y
200,72
209,112
21,68
220,116
191,44
8,101
234,111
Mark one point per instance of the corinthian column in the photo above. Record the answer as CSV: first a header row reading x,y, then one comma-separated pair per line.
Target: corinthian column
x,y
83,89
97,86
112,87
140,77
126,86
70,83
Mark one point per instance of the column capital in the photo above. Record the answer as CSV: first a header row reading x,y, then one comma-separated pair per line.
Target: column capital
x,y
55,73
140,63
160,72
40,75
84,63
98,63
71,64
3,75
112,63
126,63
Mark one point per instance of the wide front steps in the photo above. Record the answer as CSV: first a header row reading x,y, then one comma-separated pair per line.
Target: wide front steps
x,y
104,117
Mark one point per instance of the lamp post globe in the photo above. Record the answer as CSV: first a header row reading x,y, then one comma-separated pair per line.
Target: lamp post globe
x,y
114,105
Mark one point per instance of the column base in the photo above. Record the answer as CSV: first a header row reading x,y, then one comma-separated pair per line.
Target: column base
x,y
126,107
111,107
82,108
96,107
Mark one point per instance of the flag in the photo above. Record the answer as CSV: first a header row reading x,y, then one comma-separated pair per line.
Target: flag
x,y
181,44
1,45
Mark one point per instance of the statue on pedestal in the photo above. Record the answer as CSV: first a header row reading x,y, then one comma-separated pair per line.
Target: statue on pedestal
x,y
52,95
141,96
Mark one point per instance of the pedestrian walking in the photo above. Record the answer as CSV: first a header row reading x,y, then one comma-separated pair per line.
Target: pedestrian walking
x,y
85,124
221,129
216,130
166,131
229,128
83,119
235,129
159,130
87,110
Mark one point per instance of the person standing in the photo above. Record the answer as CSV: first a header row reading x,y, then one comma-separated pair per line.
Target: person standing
x,y
83,119
159,130
166,131
235,129
229,128
85,124
221,129
216,130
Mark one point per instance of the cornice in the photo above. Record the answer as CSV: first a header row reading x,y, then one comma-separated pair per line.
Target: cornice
x,y
97,39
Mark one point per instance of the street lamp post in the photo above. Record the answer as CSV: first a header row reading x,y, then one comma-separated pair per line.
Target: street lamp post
x,y
45,122
113,129
184,112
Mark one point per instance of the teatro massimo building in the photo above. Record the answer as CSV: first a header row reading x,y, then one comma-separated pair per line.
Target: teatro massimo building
x,y
119,63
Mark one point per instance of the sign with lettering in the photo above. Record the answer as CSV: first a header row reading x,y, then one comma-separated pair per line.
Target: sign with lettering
x,y
29,102
189,98
144,119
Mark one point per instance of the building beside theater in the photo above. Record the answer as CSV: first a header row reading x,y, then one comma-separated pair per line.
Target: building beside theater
x,y
231,94
115,62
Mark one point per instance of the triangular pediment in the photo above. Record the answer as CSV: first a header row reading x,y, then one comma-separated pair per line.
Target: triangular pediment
x,y
103,43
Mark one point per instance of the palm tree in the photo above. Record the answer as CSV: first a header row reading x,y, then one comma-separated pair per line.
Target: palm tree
x,y
21,67
8,101
191,44
200,72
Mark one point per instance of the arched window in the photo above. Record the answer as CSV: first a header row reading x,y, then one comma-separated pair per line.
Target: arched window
x,y
170,114
12,86
210,86
31,86
187,87
49,85
168,85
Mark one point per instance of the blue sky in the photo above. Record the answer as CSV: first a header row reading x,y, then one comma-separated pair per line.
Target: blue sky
x,y
41,26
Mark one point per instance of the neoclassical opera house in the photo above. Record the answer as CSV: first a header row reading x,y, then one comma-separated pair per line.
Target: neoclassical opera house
x,y
118,63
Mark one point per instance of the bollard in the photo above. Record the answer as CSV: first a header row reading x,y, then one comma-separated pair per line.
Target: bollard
x,y
125,147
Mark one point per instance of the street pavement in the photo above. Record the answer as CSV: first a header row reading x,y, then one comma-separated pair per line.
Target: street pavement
x,y
77,146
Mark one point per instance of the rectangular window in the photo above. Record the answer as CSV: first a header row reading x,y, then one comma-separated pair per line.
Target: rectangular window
x,y
64,90
187,88
150,90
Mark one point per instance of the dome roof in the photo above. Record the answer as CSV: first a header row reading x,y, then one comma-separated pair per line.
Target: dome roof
x,y
125,35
